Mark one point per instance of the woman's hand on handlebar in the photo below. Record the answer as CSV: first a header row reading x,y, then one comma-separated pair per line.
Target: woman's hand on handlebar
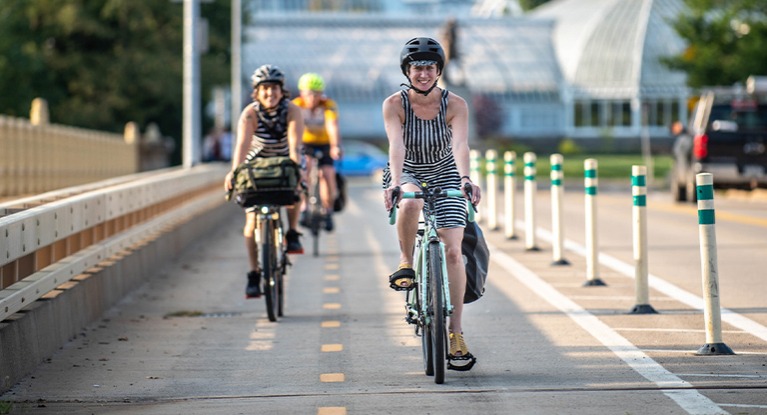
x,y
472,192
392,196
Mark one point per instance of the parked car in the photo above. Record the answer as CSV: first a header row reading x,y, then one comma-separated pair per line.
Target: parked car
x,y
727,137
361,159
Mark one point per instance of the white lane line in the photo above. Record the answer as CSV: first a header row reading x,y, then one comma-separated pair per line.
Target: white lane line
x,y
687,398
739,405
690,352
671,290
672,330
712,375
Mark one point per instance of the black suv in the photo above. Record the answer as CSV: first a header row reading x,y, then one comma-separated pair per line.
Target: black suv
x,y
727,137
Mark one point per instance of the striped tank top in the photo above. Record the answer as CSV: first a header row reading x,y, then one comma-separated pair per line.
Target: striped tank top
x,y
270,139
429,159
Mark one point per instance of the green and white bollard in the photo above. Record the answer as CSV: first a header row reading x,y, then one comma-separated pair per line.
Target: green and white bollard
x,y
491,157
530,189
509,188
557,196
639,226
591,182
712,312
476,176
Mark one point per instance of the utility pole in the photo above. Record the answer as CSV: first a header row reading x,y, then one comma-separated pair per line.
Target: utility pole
x,y
191,124
236,73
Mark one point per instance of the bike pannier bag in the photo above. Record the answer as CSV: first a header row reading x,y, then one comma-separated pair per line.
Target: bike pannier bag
x,y
476,256
266,181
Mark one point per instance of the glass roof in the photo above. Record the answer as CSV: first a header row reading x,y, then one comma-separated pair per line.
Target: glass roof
x,y
358,55
612,48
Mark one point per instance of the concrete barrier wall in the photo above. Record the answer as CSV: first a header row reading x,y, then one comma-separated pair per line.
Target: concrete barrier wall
x,y
29,337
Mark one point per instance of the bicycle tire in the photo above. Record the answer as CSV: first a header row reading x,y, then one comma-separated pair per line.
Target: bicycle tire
x,y
438,327
426,339
269,270
282,265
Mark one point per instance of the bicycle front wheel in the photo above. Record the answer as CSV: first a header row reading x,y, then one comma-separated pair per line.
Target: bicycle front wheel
x,y
426,339
270,270
437,311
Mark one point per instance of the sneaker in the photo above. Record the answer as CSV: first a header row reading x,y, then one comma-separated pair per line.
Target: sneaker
x,y
294,243
253,290
329,222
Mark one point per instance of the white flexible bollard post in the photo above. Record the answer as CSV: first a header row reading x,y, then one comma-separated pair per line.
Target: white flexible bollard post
x,y
530,189
591,183
709,269
639,226
476,177
491,157
509,188
557,196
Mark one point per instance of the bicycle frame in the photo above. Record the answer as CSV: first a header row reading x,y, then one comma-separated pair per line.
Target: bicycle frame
x,y
428,304
425,240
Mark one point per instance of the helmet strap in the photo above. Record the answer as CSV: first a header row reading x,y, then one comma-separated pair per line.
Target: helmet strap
x,y
418,91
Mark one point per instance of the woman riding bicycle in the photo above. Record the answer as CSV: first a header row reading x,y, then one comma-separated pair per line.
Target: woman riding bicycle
x,y
427,129
270,126
321,134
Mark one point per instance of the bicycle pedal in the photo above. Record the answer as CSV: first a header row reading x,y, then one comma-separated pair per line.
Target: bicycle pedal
x,y
470,359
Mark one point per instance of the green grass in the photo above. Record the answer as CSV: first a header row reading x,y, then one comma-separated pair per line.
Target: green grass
x,y
609,166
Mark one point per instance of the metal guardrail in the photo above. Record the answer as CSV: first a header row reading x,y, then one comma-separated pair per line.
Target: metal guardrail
x,y
47,245
38,158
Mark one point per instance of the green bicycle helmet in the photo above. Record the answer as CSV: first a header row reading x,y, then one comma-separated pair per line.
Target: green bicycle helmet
x,y
311,82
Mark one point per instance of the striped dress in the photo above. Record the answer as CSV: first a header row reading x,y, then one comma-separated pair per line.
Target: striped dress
x,y
429,159
270,139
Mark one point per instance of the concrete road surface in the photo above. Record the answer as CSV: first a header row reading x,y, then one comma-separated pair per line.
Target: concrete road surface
x,y
189,342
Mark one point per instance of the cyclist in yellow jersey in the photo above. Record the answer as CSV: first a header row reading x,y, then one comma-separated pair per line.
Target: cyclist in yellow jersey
x,y
321,134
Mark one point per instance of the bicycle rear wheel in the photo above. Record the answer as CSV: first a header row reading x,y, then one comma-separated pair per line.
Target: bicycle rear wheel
x,y
315,209
269,270
438,326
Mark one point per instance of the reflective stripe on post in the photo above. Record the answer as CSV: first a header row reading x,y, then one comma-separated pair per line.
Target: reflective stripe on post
x,y
639,227
509,187
709,272
492,189
476,177
557,196
591,182
530,171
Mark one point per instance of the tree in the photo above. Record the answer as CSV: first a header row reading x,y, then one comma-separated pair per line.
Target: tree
x,y
102,63
726,41
531,4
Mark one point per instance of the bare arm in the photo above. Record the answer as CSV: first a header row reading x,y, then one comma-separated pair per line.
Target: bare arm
x,y
245,128
295,131
334,134
393,117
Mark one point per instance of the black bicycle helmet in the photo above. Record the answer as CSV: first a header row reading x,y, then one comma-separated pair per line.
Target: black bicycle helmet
x,y
267,73
422,49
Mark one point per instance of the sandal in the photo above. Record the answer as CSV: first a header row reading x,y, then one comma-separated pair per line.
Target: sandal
x,y
403,279
459,352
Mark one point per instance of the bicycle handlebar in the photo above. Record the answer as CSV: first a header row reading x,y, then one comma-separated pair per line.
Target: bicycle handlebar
x,y
421,195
